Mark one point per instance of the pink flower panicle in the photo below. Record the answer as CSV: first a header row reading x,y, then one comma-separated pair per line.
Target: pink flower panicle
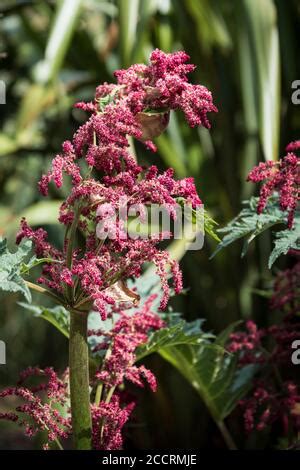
x,y
266,406
108,421
118,111
137,106
282,176
247,343
267,403
286,289
164,84
37,410
39,407
129,332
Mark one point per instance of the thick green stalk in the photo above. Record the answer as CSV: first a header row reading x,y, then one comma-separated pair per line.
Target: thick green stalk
x,y
79,381
226,435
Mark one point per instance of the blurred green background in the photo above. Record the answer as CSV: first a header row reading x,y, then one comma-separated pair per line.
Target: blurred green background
x,y
54,53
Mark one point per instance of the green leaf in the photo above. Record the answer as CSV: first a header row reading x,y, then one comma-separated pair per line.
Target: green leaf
x,y
286,240
58,316
33,262
211,28
128,21
179,333
213,373
250,224
258,19
209,224
34,102
63,27
10,266
223,337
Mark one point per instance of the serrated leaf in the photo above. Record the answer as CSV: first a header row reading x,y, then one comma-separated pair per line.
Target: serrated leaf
x,y
208,223
10,265
250,224
58,316
210,226
213,373
177,334
286,240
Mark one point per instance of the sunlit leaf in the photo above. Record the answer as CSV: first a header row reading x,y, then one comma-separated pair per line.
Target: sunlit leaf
x,y
213,373
179,333
10,266
248,224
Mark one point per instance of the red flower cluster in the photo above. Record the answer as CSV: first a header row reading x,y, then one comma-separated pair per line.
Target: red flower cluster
x,y
275,397
108,421
286,289
267,405
282,176
130,108
39,411
129,332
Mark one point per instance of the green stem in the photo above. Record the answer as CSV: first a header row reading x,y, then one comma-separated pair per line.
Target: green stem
x,y
226,435
98,394
110,394
69,254
60,447
44,291
79,381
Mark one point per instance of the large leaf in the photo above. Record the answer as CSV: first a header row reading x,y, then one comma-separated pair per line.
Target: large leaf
x,y
249,224
261,48
211,27
286,240
10,268
213,373
7,144
57,316
63,27
128,20
179,333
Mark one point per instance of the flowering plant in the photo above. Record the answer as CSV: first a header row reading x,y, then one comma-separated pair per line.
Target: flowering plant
x,y
274,399
91,272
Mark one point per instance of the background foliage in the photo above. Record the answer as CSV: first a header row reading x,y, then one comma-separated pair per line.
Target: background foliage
x,y
54,53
